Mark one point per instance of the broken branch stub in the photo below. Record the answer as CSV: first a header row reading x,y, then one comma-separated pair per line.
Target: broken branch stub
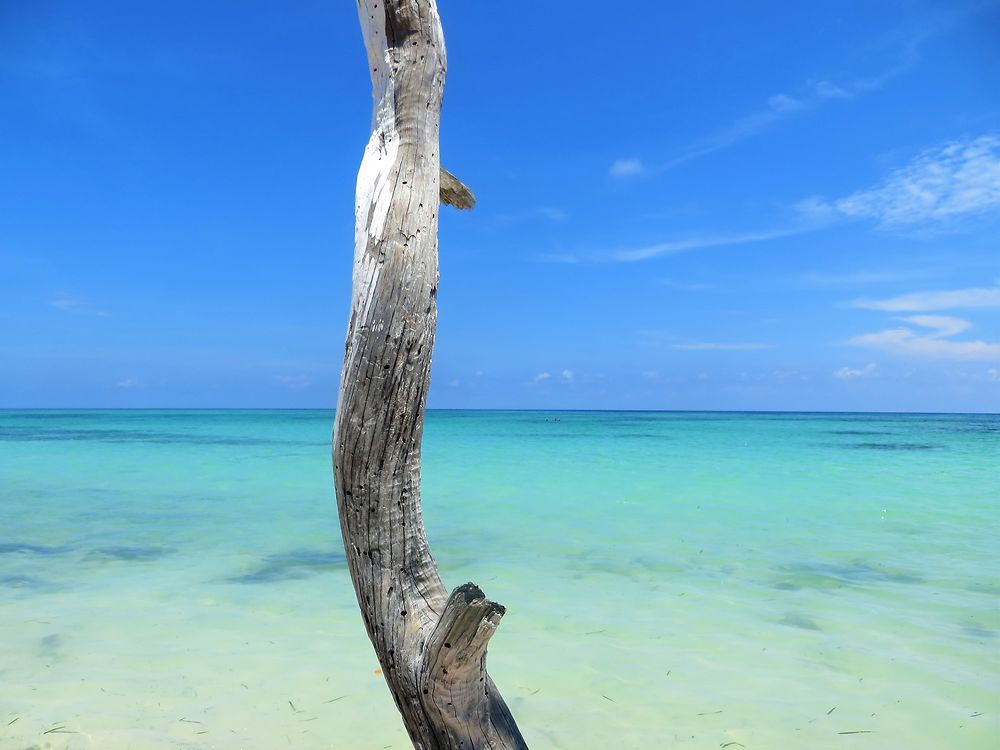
x,y
454,192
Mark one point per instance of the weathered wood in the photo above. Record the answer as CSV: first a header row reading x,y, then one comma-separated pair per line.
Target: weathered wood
x,y
454,192
432,647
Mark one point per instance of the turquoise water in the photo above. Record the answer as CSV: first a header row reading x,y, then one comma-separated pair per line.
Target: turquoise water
x,y
173,579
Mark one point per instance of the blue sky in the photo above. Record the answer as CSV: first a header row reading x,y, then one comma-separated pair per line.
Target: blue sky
x,y
705,206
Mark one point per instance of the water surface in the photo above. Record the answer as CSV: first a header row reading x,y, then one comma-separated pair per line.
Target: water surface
x,y
175,579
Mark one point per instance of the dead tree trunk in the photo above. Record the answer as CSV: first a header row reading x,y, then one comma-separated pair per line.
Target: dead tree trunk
x,y
432,646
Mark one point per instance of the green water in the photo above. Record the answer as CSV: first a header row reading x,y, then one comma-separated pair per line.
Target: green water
x,y
173,579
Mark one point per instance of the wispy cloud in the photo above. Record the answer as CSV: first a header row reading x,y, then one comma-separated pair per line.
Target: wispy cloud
x,y
542,377
957,179
976,297
931,335
722,346
931,342
847,373
696,243
626,168
567,376
780,107
127,383
945,182
68,304
673,247
777,108
76,306
817,94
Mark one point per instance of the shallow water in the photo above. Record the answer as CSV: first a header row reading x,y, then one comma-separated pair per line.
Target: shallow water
x,y
175,579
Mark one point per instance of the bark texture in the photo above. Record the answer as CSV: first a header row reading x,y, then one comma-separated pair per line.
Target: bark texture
x,y
432,646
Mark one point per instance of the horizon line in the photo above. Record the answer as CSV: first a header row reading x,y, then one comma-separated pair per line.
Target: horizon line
x,y
501,409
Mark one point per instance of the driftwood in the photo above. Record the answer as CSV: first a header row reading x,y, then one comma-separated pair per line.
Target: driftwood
x,y
432,646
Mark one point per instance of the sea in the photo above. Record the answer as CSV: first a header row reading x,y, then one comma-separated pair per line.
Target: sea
x,y
176,579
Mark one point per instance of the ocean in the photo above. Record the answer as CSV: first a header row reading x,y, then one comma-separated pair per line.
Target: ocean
x,y
175,579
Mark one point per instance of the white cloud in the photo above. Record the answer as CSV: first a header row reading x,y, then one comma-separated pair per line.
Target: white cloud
x,y
126,383
722,346
942,300
957,179
934,344
542,377
454,383
847,373
950,181
651,375
567,375
942,325
626,168
993,373
904,341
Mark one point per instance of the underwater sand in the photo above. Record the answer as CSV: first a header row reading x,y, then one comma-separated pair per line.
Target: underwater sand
x,y
174,579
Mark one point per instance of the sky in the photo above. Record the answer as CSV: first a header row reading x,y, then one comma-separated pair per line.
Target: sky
x,y
726,205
